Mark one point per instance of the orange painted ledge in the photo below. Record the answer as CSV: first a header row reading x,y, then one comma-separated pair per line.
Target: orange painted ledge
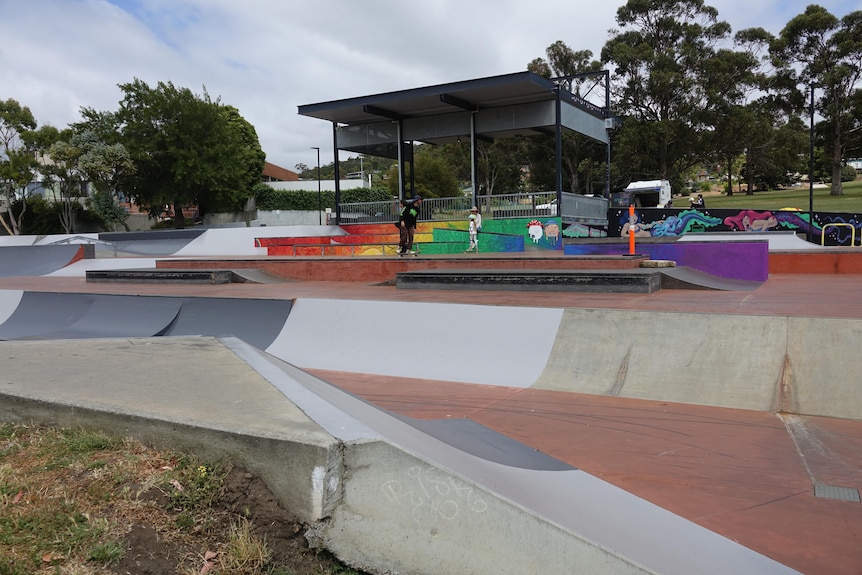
x,y
828,262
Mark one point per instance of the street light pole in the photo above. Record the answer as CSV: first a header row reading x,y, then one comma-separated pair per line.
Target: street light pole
x,y
319,205
811,167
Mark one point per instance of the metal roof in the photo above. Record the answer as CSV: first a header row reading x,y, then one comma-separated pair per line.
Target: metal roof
x,y
494,91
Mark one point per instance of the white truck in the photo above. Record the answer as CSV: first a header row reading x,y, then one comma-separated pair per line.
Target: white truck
x,y
644,194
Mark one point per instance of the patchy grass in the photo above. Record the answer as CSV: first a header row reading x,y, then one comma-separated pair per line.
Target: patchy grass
x,y
850,202
80,502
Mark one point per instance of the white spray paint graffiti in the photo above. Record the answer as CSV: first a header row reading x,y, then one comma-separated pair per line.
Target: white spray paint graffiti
x,y
432,494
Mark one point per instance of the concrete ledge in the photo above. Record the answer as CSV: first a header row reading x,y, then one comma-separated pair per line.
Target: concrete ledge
x,y
160,275
219,409
606,281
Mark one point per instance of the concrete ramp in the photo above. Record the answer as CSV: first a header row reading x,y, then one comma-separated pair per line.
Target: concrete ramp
x,y
9,302
21,260
472,344
684,277
241,241
382,494
778,241
40,315
767,363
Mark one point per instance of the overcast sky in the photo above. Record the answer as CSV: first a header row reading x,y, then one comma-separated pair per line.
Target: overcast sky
x,y
267,57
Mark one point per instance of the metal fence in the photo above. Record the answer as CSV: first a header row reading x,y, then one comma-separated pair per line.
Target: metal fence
x,y
576,207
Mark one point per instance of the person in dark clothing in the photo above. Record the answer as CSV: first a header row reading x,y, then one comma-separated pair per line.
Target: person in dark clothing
x,y
407,224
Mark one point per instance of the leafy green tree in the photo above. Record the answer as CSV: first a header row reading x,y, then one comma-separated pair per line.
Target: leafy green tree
x,y
17,160
728,78
102,165
187,150
828,54
499,166
660,55
434,178
66,177
569,67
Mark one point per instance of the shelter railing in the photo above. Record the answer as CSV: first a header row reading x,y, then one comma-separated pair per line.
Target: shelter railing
x,y
575,208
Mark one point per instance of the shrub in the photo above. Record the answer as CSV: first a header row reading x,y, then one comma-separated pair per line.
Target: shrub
x,y
267,198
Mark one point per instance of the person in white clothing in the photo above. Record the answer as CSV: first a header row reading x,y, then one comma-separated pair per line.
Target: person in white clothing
x,y
475,222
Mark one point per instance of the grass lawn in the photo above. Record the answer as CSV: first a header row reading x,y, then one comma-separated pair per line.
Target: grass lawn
x,y
850,202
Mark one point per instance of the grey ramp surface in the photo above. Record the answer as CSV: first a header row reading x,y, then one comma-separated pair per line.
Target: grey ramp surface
x,y
39,313
255,321
684,277
9,302
493,345
112,316
485,443
412,500
35,260
164,247
256,276
45,315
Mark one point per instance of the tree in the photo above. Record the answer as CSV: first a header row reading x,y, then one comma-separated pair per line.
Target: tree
x,y
103,165
187,150
434,178
727,79
17,160
820,50
568,68
67,179
660,55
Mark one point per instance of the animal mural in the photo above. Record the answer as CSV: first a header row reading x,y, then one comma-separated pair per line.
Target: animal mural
x,y
671,225
649,222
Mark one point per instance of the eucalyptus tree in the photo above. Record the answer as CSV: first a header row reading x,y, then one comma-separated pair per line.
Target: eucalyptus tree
x,y
65,178
104,165
824,53
577,73
17,160
660,53
728,79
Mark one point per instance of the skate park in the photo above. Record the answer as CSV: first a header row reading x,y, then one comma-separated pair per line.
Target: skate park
x,y
675,431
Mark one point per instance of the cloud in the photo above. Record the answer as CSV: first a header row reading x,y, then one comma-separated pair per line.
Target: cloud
x,y
267,57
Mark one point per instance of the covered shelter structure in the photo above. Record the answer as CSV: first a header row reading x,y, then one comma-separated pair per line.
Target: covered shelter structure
x,y
510,105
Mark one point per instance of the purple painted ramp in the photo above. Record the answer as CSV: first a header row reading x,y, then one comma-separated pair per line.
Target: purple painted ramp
x,y
735,260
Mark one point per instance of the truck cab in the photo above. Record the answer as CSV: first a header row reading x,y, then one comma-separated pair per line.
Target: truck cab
x,y
643,194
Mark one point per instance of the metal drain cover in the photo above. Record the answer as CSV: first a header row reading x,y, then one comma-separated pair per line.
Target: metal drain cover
x,y
832,492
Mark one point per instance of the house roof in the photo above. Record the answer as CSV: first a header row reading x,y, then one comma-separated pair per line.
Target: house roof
x,y
271,172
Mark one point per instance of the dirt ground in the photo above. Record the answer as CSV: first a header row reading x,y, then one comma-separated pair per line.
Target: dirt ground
x,y
150,552
79,502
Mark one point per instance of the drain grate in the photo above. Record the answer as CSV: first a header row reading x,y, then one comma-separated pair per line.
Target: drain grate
x,y
832,492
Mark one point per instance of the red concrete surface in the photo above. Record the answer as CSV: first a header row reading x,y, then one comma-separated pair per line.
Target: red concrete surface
x,y
736,472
